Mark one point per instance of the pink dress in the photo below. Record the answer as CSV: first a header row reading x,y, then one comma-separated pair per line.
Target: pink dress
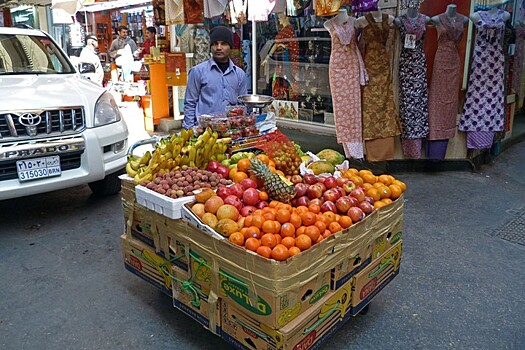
x,y
347,73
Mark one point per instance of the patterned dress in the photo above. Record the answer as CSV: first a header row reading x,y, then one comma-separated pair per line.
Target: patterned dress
x,y
380,119
347,74
445,84
413,95
483,112
518,61
360,6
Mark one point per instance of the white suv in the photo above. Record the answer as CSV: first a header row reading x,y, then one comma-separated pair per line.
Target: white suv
x,y
57,129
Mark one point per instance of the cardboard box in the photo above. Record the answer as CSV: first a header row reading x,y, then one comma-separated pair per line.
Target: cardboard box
x,y
205,309
127,188
161,204
142,261
140,225
367,240
367,283
305,332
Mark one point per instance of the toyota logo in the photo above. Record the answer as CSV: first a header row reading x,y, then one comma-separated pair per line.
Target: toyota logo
x,y
29,119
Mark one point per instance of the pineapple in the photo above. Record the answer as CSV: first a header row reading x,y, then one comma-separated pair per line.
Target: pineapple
x,y
277,189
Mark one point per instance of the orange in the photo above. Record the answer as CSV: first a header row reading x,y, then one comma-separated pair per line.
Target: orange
x,y
287,230
303,242
248,220
280,253
268,215
395,191
273,204
276,226
272,169
321,237
300,231
239,176
367,186
335,227
288,242
259,212
386,179
379,204
244,165
369,178
252,231
265,251
378,184
282,216
257,221
294,251
321,225
271,163
352,171
301,209
385,192
323,218
357,180
364,172
284,206
252,244
278,237
401,184
295,220
345,221
314,208
308,218
326,233
312,232
237,238
268,226
374,193
263,196
330,216
386,200
263,158
269,240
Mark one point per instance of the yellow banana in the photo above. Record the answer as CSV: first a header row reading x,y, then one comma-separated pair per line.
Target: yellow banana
x,y
184,135
191,164
214,149
130,171
178,159
139,179
144,160
184,160
192,153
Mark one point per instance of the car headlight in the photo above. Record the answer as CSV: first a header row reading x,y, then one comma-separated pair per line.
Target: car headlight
x,y
106,110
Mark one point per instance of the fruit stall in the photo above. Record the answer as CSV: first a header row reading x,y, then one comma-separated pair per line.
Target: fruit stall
x,y
263,244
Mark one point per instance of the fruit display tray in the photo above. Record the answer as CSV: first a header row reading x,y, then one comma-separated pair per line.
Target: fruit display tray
x,y
172,208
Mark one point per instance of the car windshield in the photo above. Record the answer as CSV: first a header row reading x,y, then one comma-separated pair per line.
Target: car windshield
x,y
31,54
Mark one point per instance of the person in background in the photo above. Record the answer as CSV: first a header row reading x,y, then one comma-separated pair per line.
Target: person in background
x,y
89,55
149,42
216,83
121,42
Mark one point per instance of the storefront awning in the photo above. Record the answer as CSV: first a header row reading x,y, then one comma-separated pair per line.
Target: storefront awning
x,y
69,6
109,5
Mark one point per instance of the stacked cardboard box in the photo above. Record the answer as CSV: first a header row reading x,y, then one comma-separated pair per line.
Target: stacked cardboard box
x,y
253,302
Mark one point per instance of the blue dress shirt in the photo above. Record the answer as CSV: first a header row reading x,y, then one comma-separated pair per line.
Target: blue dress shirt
x,y
209,90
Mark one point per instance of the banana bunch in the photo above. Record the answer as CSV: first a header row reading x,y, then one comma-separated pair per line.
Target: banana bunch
x,y
178,150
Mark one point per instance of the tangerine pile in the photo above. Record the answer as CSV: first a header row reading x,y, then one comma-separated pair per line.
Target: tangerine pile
x,y
280,231
242,169
383,188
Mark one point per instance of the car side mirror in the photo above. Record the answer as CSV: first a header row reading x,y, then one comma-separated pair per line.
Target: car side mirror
x,y
86,68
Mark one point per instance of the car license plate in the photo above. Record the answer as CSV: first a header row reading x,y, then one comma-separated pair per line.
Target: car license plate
x,y
38,168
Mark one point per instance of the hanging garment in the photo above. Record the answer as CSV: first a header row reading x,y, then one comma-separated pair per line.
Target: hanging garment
x,y
445,83
258,10
346,74
484,105
296,8
247,60
214,8
413,96
193,11
174,12
201,43
380,119
327,7
289,67
360,6
518,61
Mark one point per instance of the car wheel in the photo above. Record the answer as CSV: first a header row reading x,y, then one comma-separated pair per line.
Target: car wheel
x,y
107,186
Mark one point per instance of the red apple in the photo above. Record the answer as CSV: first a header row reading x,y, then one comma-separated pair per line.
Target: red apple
x,y
237,190
317,201
329,206
331,195
341,181
296,179
248,183
304,200
343,204
321,179
348,186
323,186
300,189
261,204
250,196
233,200
358,194
356,214
330,182
223,192
314,191
366,207
310,179
247,210
369,199
353,201
340,191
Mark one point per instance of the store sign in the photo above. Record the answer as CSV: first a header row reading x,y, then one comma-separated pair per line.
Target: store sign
x,y
176,72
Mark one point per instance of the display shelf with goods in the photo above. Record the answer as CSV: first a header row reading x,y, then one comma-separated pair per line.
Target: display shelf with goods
x,y
207,263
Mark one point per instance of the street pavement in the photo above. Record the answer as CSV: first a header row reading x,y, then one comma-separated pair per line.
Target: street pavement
x,y
63,284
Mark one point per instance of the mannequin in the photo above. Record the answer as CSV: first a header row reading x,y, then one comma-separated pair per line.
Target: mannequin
x,y
346,73
412,14
475,17
451,12
378,17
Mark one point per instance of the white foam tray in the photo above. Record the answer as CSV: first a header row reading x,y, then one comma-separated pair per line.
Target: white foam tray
x,y
169,207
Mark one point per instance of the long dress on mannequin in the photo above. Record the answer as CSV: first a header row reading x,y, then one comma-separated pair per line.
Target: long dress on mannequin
x,y
518,61
380,118
483,112
413,95
347,74
444,87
